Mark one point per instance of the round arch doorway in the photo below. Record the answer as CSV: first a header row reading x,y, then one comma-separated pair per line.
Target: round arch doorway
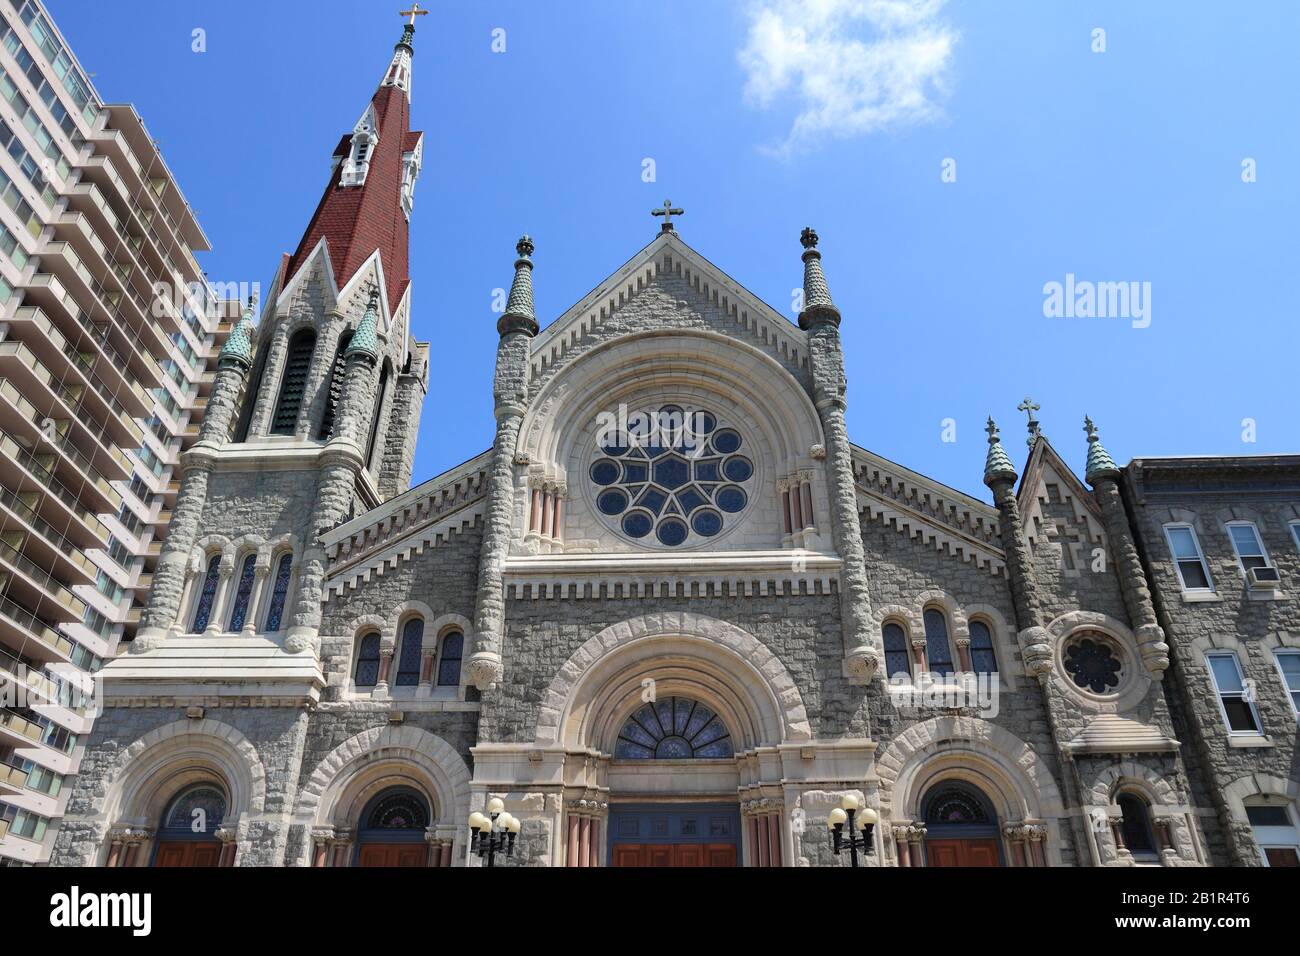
x,y
392,829
686,739
961,826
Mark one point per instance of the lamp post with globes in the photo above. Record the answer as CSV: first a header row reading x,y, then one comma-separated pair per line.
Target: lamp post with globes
x,y
493,832
860,821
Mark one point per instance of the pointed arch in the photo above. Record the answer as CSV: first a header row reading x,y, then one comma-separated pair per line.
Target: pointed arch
x,y
293,382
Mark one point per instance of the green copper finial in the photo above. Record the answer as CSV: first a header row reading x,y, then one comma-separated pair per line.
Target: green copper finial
x,y
817,305
1100,464
519,315
997,466
238,347
365,340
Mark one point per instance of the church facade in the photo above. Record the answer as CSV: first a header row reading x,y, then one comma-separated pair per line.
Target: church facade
x,y
673,615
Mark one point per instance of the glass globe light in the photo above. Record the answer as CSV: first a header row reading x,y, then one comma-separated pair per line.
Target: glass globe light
x,y
836,818
495,805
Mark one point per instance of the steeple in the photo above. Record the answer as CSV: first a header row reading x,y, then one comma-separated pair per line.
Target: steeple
x,y
519,315
370,192
1100,464
997,466
817,304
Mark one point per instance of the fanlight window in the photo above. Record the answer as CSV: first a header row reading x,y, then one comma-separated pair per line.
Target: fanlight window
x,y
673,728
672,474
198,810
957,805
400,810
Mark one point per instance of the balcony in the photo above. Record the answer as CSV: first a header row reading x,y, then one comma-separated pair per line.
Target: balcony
x,y
44,543
4,829
36,588
24,422
18,731
12,781
30,472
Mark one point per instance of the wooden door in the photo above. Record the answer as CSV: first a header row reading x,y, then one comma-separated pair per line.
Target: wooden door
x,y
393,854
719,854
674,854
188,853
627,855
962,853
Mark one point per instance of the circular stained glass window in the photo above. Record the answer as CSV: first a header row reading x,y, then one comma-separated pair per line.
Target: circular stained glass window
x,y
1093,665
672,475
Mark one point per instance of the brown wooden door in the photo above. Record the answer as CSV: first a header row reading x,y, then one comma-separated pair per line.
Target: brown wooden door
x,y
674,854
393,854
188,853
961,853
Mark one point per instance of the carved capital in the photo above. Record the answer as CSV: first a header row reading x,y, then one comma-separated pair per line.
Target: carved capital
x,y
484,668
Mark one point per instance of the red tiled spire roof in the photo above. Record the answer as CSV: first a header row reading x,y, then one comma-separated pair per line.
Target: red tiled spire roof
x,y
354,221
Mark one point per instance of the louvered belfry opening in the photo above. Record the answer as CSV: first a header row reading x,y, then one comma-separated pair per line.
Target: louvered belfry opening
x,y
296,366
335,386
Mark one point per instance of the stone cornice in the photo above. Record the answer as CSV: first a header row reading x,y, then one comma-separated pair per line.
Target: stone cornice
x,y
690,574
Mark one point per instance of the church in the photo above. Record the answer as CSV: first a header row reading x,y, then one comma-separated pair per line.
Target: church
x,y
673,616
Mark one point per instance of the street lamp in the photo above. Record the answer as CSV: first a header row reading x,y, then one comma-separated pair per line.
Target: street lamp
x,y
858,818
492,832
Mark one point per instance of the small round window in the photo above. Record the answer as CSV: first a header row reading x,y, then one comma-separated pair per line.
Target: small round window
x,y
1093,663
671,475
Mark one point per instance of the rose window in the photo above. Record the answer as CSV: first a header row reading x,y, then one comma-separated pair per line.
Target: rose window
x,y
672,475
1093,664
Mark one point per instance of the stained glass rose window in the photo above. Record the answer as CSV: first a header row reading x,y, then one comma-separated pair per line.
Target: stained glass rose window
x,y
1093,664
673,476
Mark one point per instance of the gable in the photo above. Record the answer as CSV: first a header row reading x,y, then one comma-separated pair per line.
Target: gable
x,y
667,285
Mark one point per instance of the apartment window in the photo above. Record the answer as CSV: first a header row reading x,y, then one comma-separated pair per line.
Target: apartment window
x,y
1275,831
1193,572
12,249
1295,532
1250,550
24,823
106,586
1288,664
120,553
1238,711
73,81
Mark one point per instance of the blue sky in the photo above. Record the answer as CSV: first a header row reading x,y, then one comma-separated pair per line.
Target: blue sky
x,y
1124,165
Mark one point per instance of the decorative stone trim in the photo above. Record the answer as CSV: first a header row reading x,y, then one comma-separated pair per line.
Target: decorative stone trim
x,y
754,653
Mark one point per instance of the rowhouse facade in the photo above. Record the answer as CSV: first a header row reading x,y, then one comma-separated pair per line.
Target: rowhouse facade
x,y
671,617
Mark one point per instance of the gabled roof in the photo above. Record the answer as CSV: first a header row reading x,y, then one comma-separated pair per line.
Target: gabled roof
x,y
781,337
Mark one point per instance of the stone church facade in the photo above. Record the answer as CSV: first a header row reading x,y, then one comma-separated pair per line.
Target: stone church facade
x,y
672,616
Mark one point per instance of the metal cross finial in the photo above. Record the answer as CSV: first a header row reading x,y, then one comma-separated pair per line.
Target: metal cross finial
x,y
668,211
414,12
1030,406
992,430
1090,428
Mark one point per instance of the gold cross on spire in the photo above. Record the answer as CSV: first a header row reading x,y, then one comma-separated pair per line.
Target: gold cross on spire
x,y
668,211
414,12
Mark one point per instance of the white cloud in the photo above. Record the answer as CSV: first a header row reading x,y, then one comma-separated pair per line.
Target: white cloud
x,y
852,66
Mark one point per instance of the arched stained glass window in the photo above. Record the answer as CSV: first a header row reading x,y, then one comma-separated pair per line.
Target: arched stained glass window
x,y
453,647
898,658
400,809
368,660
297,364
982,658
955,805
938,651
243,592
197,811
1135,823
408,662
335,387
207,594
279,592
673,728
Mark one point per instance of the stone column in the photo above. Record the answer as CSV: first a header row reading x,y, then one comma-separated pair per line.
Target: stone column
x,y
226,569
427,655
321,838
387,648
820,319
584,841
916,839
571,846
268,390
117,839
1037,838
161,614
342,847
1103,475
229,846
516,329
774,839
900,846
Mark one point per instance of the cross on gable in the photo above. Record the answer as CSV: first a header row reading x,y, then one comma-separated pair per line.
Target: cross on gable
x,y
668,211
